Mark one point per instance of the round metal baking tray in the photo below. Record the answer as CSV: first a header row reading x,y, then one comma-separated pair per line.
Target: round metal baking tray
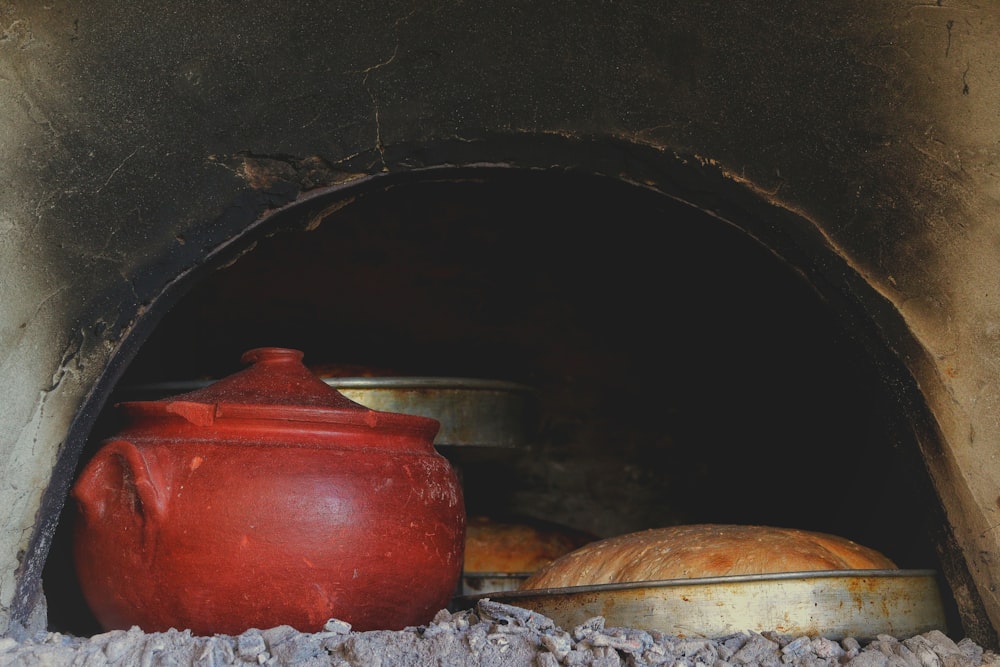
x,y
833,604
487,413
472,412
482,583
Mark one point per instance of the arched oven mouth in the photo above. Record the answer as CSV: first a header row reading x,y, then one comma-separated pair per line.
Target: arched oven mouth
x,y
742,254
692,365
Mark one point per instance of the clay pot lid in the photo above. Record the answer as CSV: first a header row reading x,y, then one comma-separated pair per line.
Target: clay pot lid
x,y
275,385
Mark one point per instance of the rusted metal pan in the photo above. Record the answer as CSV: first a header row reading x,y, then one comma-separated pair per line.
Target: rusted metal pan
x,y
472,412
483,583
832,604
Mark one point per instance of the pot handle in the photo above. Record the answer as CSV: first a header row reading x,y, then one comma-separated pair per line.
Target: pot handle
x,y
118,484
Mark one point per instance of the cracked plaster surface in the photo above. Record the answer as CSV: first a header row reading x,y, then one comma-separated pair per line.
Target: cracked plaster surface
x,y
36,407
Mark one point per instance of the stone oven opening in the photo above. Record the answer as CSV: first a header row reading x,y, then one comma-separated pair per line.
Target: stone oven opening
x,y
745,253
686,371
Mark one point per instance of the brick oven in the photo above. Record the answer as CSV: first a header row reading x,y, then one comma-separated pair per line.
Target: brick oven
x,y
746,254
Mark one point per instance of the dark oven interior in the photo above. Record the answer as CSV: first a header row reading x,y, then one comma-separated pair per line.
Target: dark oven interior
x,y
685,372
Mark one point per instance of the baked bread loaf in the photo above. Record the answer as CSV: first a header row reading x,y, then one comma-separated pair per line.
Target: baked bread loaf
x,y
704,550
516,547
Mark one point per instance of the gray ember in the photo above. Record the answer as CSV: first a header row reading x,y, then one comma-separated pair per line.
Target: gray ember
x,y
490,635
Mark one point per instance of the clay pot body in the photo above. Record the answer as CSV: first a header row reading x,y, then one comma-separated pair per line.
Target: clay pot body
x,y
223,510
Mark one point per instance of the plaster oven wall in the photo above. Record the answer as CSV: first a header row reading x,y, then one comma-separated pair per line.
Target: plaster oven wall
x,y
141,142
683,372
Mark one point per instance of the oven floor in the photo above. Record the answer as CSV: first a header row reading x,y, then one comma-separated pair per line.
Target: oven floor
x,y
492,634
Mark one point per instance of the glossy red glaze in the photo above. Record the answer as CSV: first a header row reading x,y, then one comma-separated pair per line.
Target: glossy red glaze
x,y
265,499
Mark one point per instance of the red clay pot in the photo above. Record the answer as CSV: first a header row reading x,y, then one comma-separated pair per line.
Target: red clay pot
x,y
266,499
